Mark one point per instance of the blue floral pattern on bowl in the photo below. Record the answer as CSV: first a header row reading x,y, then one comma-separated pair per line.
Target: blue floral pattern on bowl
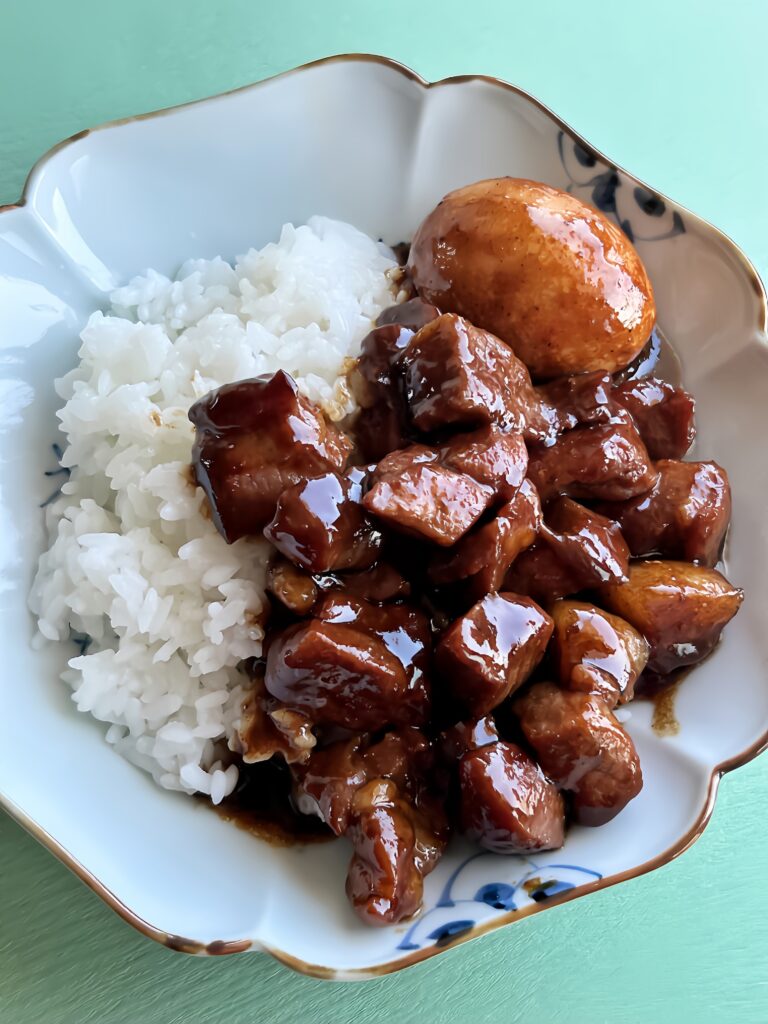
x,y
60,474
600,184
468,899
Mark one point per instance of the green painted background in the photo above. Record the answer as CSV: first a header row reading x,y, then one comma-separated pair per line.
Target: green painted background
x,y
678,92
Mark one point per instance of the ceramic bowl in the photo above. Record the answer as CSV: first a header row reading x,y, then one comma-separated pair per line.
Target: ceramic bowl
x,y
366,140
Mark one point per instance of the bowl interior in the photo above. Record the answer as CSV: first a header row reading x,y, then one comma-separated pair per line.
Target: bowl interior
x,y
368,143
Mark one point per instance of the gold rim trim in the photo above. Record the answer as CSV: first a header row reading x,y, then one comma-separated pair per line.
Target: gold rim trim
x,y
220,947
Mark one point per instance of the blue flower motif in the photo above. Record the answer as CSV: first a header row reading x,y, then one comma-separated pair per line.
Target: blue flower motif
x,y
82,641
498,895
59,471
532,882
604,191
585,158
648,202
447,933
548,889
642,215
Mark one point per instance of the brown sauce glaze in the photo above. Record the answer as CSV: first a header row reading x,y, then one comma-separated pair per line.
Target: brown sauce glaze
x,y
657,359
662,692
261,804
664,721
401,251
402,602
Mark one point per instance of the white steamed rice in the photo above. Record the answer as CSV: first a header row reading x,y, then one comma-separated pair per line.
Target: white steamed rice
x,y
134,564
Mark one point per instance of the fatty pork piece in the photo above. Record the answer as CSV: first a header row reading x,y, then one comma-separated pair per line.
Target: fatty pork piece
x,y
380,795
457,375
681,609
325,783
507,804
685,515
439,493
576,549
414,493
596,652
663,414
380,584
486,654
606,461
336,675
395,844
254,439
580,745
267,728
489,455
293,587
355,665
320,525
482,557
385,880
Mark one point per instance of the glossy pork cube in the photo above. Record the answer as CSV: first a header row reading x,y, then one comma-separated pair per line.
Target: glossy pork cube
x,y
484,555
580,745
507,803
486,654
404,630
663,414
336,674
413,492
457,375
490,456
685,515
607,461
393,848
253,439
589,545
320,525
575,550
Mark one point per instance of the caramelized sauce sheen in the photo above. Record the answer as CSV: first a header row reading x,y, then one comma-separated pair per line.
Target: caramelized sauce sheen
x,y
657,359
662,691
261,805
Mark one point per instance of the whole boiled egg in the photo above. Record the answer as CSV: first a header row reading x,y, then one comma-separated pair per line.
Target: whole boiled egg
x,y
545,272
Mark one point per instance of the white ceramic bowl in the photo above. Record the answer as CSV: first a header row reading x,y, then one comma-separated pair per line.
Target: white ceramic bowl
x,y
363,139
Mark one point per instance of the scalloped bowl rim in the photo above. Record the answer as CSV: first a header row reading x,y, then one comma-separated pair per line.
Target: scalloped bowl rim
x,y
219,947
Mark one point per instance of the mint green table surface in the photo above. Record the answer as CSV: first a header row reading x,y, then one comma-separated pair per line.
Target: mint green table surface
x,y
678,92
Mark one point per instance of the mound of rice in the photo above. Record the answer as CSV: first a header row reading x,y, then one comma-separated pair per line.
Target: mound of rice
x,y
163,608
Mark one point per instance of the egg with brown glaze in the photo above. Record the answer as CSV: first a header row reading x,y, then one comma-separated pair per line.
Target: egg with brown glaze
x,y
550,275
